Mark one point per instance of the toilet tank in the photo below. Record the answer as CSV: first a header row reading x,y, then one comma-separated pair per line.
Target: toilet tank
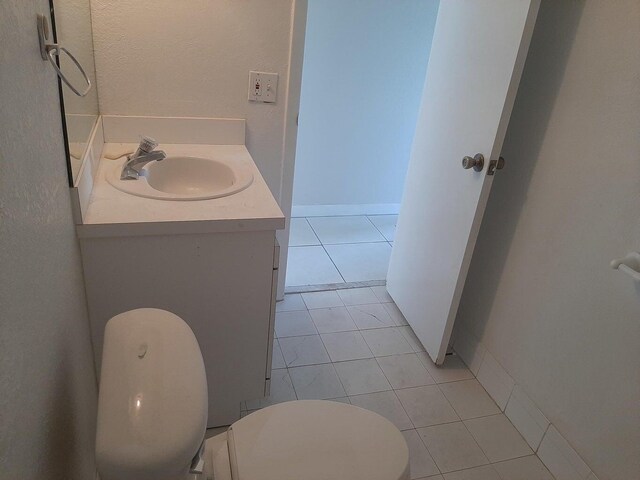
x,y
152,406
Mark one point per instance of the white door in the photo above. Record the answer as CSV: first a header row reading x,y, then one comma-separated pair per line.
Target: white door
x,y
476,61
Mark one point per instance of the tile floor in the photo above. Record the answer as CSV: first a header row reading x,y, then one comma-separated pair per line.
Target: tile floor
x,y
325,250
354,346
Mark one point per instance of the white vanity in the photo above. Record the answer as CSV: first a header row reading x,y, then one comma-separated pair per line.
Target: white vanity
x,y
213,262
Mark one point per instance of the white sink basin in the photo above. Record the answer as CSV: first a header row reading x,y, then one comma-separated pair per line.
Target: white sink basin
x,y
184,178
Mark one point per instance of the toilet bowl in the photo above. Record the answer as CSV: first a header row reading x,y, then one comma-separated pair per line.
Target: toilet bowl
x,y
152,414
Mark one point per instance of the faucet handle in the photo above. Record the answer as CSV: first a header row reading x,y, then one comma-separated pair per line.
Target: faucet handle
x,y
147,144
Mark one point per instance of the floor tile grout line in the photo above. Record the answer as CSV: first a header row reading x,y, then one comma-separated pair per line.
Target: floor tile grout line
x,y
310,364
405,340
472,437
326,252
358,330
307,305
344,389
470,468
413,427
447,399
513,458
535,451
295,392
500,412
349,331
510,423
475,441
306,220
368,393
347,243
394,227
374,356
334,370
334,264
427,449
393,389
376,227
356,243
356,304
435,382
312,231
323,244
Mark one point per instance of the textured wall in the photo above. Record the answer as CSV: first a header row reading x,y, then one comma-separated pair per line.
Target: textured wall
x,y
364,68
540,294
47,383
192,58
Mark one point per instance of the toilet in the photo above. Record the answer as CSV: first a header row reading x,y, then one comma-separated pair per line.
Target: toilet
x,y
152,416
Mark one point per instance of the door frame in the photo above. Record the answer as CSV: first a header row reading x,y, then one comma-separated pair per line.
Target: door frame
x,y
292,108
290,137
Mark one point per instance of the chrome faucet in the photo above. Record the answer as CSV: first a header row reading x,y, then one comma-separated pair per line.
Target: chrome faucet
x,y
144,154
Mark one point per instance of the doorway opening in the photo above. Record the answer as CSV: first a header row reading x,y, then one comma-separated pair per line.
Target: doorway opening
x,y
362,83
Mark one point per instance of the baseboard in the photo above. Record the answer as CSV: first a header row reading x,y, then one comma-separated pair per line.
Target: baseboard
x,y
542,436
341,210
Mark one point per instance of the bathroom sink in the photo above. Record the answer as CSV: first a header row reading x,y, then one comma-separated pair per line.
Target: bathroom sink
x,y
184,178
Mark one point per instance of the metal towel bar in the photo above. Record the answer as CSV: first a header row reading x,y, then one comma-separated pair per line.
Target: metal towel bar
x,y
48,50
630,264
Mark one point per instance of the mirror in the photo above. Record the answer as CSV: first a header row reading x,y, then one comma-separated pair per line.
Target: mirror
x,y
71,24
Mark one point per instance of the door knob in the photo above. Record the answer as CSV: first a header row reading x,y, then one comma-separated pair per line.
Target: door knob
x,y
476,162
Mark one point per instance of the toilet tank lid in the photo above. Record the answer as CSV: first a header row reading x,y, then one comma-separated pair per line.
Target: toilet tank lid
x,y
152,406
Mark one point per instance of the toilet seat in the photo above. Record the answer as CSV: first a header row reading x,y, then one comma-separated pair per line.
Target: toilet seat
x,y
152,414
316,440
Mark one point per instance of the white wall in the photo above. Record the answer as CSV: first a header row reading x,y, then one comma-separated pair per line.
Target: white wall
x,y
540,294
168,58
48,389
364,69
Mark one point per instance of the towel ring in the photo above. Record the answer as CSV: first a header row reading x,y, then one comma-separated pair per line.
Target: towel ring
x,y
629,264
49,50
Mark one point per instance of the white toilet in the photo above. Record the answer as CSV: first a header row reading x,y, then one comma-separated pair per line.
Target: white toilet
x,y
152,417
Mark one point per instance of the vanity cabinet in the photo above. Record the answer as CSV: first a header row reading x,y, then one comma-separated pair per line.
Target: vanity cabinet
x,y
212,261
222,284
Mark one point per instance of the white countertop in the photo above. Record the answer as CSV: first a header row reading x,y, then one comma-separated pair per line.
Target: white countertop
x,y
115,213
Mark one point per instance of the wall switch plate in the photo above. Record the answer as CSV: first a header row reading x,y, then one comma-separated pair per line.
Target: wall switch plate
x,y
263,87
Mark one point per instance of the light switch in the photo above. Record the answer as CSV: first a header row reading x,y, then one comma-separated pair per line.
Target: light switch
x,y
263,87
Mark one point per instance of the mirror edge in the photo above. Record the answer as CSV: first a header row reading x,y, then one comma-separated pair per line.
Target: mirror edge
x,y
65,135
